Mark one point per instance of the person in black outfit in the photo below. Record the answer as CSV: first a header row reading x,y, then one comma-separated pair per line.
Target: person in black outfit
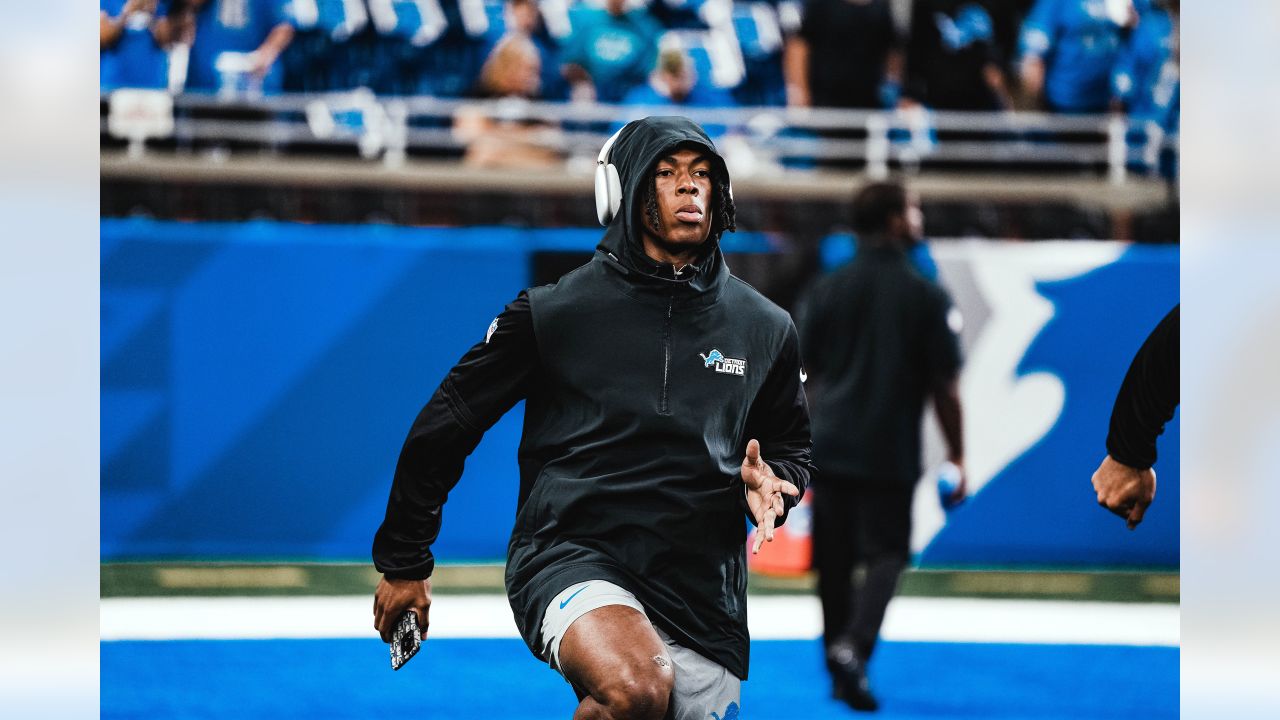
x,y
664,404
846,55
879,340
1148,398
954,58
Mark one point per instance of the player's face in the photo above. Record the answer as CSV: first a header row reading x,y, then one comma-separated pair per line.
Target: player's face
x,y
683,184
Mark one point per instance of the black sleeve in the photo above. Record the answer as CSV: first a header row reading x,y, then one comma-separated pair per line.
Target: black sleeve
x,y
489,379
1148,397
810,315
923,32
942,341
995,52
810,19
779,419
889,28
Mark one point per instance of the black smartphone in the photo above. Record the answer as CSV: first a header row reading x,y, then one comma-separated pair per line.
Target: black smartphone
x,y
406,640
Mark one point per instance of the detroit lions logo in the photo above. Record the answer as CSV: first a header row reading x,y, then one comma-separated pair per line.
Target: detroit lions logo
x,y
730,713
726,365
972,25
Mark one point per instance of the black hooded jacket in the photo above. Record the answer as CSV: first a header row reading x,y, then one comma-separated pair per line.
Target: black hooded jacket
x,y
643,387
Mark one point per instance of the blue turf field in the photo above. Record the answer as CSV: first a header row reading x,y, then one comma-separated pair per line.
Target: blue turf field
x,y
471,678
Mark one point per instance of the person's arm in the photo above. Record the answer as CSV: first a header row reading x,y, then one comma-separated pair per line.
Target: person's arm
x,y
920,37
581,87
111,28
573,66
946,403
163,29
271,48
491,378
895,60
994,77
1125,482
1037,42
795,58
1123,77
895,63
942,349
778,463
993,71
795,66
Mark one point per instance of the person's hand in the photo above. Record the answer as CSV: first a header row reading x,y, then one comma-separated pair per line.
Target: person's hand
x,y
764,493
583,91
1125,491
1033,72
798,97
260,62
393,597
962,487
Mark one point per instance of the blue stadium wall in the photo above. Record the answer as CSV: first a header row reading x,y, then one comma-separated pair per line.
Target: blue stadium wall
x,y
258,379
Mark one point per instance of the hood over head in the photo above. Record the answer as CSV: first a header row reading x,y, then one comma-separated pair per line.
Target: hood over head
x,y
639,146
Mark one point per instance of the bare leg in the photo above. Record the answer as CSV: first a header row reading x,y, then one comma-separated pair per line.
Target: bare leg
x,y
609,655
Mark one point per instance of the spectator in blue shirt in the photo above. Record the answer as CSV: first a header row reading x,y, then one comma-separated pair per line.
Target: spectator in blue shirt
x,y
610,52
675,83
405,30
1146,76
132,35
762,27
1147,85
330,50
678,14
262,29
449,66
1069,48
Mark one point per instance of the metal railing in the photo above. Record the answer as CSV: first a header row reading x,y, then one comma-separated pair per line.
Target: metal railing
x,y
753,139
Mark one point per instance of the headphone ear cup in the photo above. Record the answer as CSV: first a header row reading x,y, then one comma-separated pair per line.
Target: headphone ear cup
x,y
615,189
604,202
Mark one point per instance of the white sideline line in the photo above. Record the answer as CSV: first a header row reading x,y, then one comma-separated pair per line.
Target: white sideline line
x,y
771,617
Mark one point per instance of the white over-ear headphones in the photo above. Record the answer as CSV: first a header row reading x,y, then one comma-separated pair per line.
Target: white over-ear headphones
x,y
608,184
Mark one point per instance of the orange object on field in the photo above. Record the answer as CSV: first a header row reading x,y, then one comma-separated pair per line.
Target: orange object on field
x,y
791,551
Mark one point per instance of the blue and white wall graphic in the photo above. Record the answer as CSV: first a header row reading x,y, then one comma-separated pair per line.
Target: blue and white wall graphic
x,y
258,379
1050,329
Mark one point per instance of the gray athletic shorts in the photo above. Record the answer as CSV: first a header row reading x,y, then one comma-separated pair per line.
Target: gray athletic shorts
x,y
703,688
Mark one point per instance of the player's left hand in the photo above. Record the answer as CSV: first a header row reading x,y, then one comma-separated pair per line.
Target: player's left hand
x,y
764,493
1125,491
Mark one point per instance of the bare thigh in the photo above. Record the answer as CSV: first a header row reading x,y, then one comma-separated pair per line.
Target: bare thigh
x,y
613,655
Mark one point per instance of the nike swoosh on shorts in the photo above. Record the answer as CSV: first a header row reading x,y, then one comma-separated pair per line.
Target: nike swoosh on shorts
x,y
574,595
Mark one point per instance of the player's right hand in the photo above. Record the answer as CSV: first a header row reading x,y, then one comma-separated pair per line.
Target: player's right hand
x,y
393,597
764,493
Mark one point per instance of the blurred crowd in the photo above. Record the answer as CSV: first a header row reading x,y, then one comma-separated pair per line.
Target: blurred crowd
x,y
1069,56
1061,56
